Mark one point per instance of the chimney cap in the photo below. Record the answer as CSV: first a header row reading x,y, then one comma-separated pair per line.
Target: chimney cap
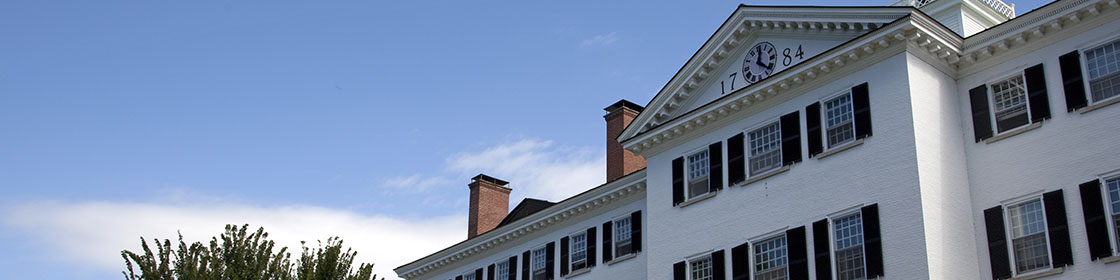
x,y
488,179
624,104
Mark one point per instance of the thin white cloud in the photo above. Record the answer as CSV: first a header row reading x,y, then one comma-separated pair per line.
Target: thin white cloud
x,y
599,40
416,183
92,234
536,168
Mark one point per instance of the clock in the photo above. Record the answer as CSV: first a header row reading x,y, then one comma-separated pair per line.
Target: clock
x,y
759,62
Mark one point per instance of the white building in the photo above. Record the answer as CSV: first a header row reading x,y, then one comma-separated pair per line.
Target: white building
x,y
942,139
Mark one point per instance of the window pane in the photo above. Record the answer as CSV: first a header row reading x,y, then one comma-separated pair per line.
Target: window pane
x,y
579,251
848,232
622,236
1113,186
701,269
468,276
539,260
1104,71
765,148
770,259
1010,100
1028,236
502,271
698,165
838,120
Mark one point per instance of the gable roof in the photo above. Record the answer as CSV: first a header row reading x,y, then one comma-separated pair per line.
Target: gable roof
x,y
527,207
746,21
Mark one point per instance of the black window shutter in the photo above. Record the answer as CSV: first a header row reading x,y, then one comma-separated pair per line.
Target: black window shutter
x,y
791,138
460,277
798,258
489,272
997,243
718,272
813,128
736,161
549,260
1096,222
608,238
822,252
678,271
1058,227
873,243
591,246
981,120
513,268
564,256
715,166
478,274
741,262
636,231
861,107
1072,80
1036,93
678,182
526,266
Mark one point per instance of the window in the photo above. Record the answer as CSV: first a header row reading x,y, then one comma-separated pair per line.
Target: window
x,y
502,270
1103,65
1009,100
698,174
1113,188
765,148
540,261
700,268
770,259
848,233
579,251
839,125
1028,236
469,276
622,236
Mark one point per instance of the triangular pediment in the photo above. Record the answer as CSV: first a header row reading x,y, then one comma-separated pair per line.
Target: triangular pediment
x,y
757,42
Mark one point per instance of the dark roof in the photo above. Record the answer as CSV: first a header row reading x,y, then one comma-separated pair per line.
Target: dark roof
x,y
487,178
527,207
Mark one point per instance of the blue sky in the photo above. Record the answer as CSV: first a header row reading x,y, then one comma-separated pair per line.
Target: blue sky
x,y
360,119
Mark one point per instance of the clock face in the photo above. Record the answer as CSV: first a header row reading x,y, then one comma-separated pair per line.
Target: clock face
x,y
759,62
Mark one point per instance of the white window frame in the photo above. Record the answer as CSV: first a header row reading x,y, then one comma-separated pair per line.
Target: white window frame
x,y
750,151
824,119
498,269
764,238
1084,61
533,266
1006,205
688,170
469,274
615,233
833,258
992,102
572,250
1113,228
697,258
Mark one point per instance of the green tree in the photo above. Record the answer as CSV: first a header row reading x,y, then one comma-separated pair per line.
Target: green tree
x,y
242,255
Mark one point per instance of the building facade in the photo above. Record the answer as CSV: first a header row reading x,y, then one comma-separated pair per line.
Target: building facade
x,y
944,139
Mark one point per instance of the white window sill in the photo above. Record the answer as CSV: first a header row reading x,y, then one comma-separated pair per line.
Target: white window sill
x,y
622,258
763,176
696,199
1111,259
840,148
1101,104
1013,132
577,272
1051,272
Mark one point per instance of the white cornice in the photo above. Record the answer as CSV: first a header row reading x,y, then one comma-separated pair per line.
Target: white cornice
x,y
576,206
919,31
740,27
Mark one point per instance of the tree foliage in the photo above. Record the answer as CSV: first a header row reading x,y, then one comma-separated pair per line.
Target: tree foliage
x,y
242,255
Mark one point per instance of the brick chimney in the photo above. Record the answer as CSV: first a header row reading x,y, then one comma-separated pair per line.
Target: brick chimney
x,y
489,204
621,162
